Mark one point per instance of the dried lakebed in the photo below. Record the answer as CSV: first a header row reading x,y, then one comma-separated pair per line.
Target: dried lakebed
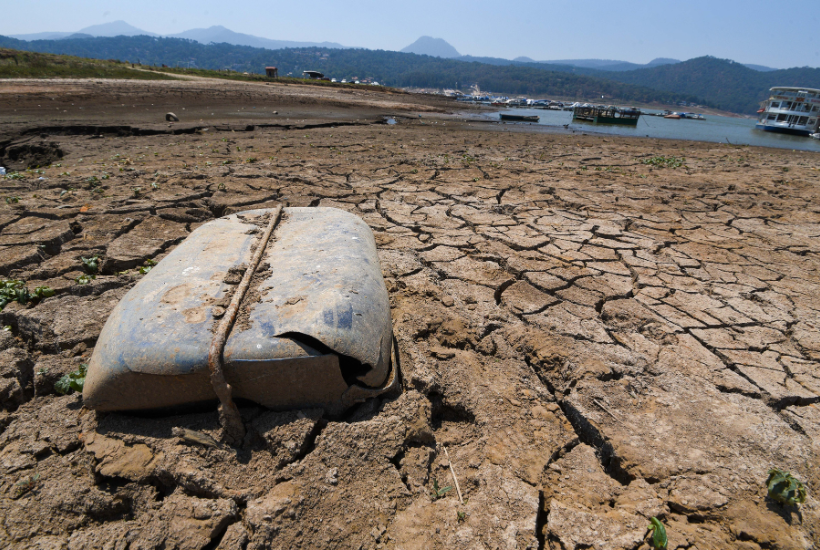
x,y
594,339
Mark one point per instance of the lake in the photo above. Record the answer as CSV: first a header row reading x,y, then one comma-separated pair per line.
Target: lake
x,y
719,129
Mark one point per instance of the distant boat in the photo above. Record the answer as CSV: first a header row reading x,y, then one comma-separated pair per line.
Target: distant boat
x,y
519,118
673,115
815,136
791,111
606,114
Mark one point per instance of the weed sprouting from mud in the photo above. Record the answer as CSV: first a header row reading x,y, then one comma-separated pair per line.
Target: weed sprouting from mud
x,y
659,540
73,381
91,265
25,485
437,492
148,265
13,290
665,162
785,488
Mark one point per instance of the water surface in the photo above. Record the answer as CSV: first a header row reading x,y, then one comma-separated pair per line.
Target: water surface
x,y
738,131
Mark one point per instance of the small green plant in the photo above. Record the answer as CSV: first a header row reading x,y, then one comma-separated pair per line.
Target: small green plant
x,y
439,492
84,279
147,266
7,328
12,200
659,540
461,516
251,160
13,290
41,292
15,176
91,265
154,185
785,488
221,186
25,485
73,381
665,162
136,191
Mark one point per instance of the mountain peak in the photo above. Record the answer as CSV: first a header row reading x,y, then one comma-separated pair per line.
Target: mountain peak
x,y
115,28
435,47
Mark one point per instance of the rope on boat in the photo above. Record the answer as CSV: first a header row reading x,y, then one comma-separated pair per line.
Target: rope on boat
x,y
229,417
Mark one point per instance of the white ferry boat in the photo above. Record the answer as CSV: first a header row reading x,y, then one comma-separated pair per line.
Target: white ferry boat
x,y
791,111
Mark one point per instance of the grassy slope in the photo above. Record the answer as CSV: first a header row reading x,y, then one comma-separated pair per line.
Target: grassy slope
x,y
19,64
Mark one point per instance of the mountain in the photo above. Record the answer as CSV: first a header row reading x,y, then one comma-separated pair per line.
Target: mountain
x,y
724,83
220,35
610,64
761,68
434,47
42,36
115,28
389,68
217,35
524,59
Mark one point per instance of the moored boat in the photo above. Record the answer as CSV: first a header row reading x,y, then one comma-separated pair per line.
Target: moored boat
x,y
606,114
790,110
519,118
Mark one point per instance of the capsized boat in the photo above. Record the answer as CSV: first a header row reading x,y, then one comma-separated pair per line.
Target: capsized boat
x,y
313,330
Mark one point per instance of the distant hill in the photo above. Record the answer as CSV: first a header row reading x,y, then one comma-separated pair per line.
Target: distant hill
x,y
42,36
389,68
217,35
610,64
725,84
220,35
434,47
115,28
761,68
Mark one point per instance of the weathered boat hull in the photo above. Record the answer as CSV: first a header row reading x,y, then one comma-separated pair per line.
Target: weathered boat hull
x,y
314,330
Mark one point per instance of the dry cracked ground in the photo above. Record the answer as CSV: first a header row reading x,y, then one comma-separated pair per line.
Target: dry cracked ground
x,y
593,339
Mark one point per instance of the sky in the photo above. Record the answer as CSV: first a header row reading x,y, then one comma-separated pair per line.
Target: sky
x,y
770,33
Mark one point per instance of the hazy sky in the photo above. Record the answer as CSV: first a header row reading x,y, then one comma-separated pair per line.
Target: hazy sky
x,y
773,33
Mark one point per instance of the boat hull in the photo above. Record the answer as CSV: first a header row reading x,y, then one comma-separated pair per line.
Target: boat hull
x,y
608,120
789,131
519,118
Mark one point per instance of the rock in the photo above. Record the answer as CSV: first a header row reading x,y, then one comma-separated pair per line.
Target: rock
x,y
171,117
143,242
15,376
288,434
578,528
186,523
62,322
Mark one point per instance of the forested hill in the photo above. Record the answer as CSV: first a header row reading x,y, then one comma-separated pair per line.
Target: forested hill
x,y
725,84
388,68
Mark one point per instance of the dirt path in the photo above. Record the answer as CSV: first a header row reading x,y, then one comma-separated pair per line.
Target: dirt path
x,y
596,340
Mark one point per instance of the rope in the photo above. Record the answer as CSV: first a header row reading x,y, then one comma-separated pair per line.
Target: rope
x,y
229,417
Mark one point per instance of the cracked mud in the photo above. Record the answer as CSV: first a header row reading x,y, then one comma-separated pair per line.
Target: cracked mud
x,y
596,341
